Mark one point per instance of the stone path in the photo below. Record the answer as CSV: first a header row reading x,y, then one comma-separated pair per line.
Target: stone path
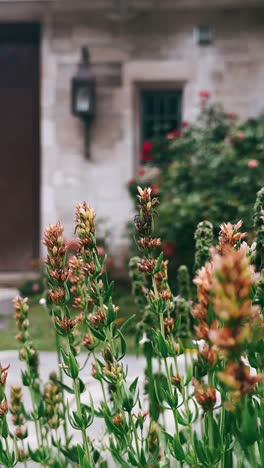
x,y
6,304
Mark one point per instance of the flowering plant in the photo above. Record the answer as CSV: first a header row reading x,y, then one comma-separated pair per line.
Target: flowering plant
x,y
204,402
211,168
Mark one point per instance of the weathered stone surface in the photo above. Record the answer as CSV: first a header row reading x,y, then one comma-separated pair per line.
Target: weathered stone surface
x,y
156,46
6,300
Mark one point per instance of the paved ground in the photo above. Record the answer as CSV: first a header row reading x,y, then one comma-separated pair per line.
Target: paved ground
x,y
6,304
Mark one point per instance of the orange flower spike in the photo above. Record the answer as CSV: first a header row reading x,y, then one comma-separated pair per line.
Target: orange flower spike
x,y
3,374
66,325
209,354
222,337
229,235
237,377
202,330
3,409
85,224
203,281
205,395
233,278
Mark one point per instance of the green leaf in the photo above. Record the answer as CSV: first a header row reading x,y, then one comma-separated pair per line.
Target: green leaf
x,y
249,427
111,316
74,368
67,293
189,375
109,292
200,452
82,457
133,386
71,453
41,409
181,420
158,265
123,345
176,449
126,324
64,386
4,429
65,357
98,334
216,434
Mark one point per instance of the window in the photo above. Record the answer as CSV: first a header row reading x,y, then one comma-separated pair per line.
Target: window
x,y
160,112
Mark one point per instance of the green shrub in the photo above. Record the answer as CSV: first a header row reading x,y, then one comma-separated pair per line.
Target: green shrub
x,y
210,170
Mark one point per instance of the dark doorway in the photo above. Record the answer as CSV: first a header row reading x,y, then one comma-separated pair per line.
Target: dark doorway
x,y
19,146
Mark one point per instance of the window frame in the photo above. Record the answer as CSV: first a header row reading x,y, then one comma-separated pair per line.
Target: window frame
x,y
177,89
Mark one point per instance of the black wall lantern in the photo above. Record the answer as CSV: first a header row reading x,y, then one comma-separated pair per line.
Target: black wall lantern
x,y
83,96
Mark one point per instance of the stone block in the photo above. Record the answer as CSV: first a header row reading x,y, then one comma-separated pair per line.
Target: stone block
x,y
69,135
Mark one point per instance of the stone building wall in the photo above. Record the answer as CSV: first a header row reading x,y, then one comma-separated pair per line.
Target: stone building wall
x,y
156,47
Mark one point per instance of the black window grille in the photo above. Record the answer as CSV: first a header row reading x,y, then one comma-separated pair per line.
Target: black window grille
x,y
160,112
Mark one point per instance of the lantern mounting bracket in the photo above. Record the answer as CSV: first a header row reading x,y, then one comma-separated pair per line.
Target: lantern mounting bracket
x,y
83,95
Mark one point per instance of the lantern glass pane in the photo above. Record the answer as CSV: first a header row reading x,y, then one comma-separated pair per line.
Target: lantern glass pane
x,y
83,102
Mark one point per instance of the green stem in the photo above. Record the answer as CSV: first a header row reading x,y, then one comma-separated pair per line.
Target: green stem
x,y
253,458
76,388
209,415
153,404
65,428
36,422
222,426
186,369
23,447
60,455
174,410
103,391
190,427
261,395
8,452
210,430
132,424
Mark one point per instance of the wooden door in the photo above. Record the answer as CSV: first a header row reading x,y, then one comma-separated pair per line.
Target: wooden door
x,y
19,146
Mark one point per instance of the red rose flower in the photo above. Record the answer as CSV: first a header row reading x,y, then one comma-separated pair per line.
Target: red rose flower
x,y
131,182
35,287
146,157
185,124
100,250
155,189
253,163
240,136
147,146
204,94
146,151
169,248
174,134
231,116
141,171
